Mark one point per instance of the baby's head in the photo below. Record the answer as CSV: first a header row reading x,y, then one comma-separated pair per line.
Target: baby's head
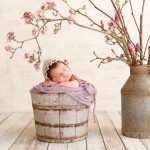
x,y
56,70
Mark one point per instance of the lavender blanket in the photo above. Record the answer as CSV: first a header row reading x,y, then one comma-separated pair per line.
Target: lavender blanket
x,y
85,93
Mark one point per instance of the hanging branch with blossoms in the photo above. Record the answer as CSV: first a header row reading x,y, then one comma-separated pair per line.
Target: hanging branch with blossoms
x,y
115,31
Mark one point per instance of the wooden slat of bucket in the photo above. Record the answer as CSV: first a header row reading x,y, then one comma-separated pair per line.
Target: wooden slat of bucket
x,y
82,115
50,99
52,132
45,99
67,133
68,117
65,99
38,115
39,130
51,117
81,130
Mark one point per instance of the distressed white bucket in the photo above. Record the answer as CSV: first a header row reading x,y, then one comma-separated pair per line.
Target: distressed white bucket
x,y
59,118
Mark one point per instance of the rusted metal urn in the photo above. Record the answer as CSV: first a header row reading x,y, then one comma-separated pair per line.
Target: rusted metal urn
x,y
59,118
135,102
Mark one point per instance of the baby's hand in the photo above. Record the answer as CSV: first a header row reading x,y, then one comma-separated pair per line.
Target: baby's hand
x,y
48,83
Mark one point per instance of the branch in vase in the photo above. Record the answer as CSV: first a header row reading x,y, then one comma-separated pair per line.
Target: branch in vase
x,y
148,62
109,59
123,26
132,12
141,32
119,28
146,46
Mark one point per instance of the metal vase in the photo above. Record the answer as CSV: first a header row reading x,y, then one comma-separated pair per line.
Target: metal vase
x,y
135,103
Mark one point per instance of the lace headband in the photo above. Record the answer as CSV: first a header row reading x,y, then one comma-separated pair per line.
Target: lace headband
x,y
50,62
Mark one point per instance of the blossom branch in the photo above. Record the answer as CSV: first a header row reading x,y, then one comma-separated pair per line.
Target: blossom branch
x,y
126,1
119,28
101,10
108,59
141,32
118,11
146,46
134,16
125,28
39,52
115,32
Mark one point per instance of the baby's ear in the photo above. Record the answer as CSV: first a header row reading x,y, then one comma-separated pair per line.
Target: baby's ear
x,y
66,62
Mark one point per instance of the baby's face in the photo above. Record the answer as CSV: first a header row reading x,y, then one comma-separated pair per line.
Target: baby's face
x,y
61,73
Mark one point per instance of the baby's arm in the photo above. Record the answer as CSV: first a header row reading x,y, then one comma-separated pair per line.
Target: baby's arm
x,y
71,84
48,83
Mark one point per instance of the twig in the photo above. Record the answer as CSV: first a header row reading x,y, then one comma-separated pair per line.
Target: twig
x,y
141,32
146,46
148,62
134,17
89,19
83,26
119,13
124,4
107,59
101,10
119,28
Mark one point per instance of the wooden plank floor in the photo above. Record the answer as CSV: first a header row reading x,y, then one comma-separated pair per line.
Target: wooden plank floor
x,y
17,132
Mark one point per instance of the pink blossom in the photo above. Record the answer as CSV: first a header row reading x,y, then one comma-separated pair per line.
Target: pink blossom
x,y
138,61
112,25
121,56
31,58
7,48
133,61
40,14
43,31
34,32
107,40
116,17
72,12
109,58
137,46
131,48
112,51
50,4
27,16
70,19
36,66
55,31
43,6
27,55
10,36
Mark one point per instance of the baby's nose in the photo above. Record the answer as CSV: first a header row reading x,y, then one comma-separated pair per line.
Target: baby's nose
x,y
63,74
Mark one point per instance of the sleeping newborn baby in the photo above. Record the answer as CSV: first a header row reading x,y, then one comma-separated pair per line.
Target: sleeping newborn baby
x,y
58,73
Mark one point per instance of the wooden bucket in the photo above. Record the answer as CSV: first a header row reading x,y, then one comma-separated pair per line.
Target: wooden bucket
x,y
59,118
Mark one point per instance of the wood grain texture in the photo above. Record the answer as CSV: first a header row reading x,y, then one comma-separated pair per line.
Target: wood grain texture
x,y
25,139
104,134
11,128
130,143
110,136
